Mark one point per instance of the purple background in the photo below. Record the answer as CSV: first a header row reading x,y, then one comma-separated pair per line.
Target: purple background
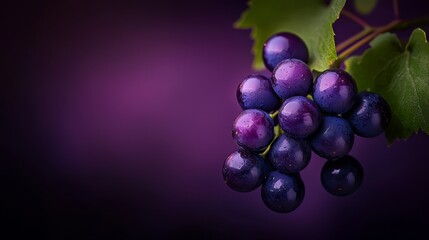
x,y
116,119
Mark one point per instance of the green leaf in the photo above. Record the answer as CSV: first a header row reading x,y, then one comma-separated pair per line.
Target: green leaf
x,y
310,19
401,75
364,6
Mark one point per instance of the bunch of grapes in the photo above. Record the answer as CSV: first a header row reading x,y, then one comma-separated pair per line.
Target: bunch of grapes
x,y
288,116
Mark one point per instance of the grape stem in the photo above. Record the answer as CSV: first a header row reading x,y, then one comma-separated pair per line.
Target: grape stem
x,y
370,33
277,132
274,114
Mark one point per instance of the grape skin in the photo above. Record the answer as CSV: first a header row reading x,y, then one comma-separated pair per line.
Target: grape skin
x,y
255,92
370,116
335,91
282,46
243,171
334,138
289,155
342,177
292,77
253,130
282,192
299,117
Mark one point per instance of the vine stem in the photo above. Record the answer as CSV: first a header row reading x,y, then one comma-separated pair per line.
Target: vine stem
x,y
396,9
354,38
395,24
355,18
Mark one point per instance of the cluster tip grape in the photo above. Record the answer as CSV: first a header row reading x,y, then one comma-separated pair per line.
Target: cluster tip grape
x,y
289,115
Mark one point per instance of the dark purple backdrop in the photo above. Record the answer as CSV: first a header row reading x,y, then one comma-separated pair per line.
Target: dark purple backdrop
x,y
116,118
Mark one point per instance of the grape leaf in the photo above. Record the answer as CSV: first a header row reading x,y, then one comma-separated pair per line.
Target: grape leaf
x,y
310,19
364,6
401,75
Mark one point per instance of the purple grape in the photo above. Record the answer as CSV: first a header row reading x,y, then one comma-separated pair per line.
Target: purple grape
x,y
255,91
299,117
334,138
292,77
282,192
370,116
282,46
335,91
244,171
253,129
342,177
289,155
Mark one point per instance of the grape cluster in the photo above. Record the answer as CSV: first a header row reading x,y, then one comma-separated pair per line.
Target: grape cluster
x,y
288,116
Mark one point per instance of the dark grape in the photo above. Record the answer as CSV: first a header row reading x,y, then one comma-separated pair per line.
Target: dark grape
x,y
335,91
292,77
282,192
299,116
253,129
333,139
282,46
370,116
342,177
244,171
289,155
256,91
